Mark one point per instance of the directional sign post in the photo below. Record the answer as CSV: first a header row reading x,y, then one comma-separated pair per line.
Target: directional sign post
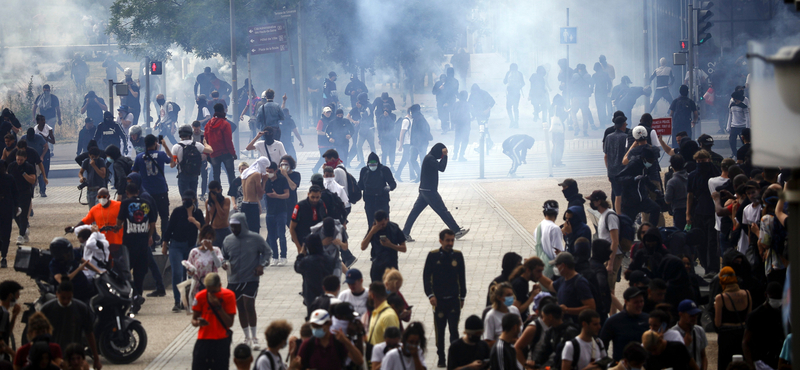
x,y
569,35
268,38
285,13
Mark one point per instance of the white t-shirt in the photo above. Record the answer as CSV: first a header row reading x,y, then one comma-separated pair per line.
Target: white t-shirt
x,y
713,184
332,186
341,176
359,302
607,223
377,352
493,323
589,352
128,118
750,216
274,152
407,128
394,360
552,239
45,132
177,150
263,363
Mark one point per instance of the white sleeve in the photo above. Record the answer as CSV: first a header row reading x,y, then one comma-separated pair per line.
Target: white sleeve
x,y
555,239
281,149
566,353
612,223
205,112
390,360
263,363
177,151
654,140
377,351
489,324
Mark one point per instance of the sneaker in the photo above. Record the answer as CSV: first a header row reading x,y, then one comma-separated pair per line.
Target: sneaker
x,y
409,239
254,344
157,293
27,238
282,262
274,262
137,304
20,240
441,363
248,341
27,233
176,308
3,263
43,195
460,234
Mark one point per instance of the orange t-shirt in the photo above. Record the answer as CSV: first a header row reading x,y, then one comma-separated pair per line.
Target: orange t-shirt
x,y
105,217
214,329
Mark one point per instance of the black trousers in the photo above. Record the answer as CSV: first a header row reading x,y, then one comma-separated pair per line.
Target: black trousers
x,y
446,314
631,209
139,264
462,139
374,205
379,267
388,150
658,95
434,200
162,206
707,251
22,220
5,227
211,354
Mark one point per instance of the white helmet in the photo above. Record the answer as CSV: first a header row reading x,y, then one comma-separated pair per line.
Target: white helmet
x,y
639,133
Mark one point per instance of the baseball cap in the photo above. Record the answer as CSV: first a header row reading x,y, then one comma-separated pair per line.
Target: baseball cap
x,y
473,323
688,306
327,109
385,95
242,352
352,276
564,257
332,74
538,298
88,119
568,183
319,317
316,178
234,221
639,133
345,310
597,195
638,276
705,140
632,292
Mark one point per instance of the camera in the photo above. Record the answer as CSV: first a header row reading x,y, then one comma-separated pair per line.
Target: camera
x,y
82,185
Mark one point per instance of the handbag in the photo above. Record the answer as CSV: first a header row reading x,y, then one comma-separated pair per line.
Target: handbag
x,y
228,331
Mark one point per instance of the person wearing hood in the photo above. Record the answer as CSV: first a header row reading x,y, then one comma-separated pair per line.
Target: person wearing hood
x,y
434,162
481,103
109,132
218,136
38,143
539,94
602,88
375,181
516,147
179,238
676,193
700,210
323,141
515,82
9,124
245,255
120,166
314,265
679,285
648,258
581,88
354,89
339,132
386,121
575,227
569,187
510,262
363,119
150,165
329,94
636,185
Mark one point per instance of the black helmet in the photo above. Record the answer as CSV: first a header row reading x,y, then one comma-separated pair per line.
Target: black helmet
x,y
185,131
59,247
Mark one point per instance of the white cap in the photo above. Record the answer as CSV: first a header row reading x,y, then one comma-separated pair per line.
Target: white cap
x,y
326,110
128,72
319,317
639,133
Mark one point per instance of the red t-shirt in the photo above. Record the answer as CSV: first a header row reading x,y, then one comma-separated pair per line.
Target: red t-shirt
x,y
21,358
214,329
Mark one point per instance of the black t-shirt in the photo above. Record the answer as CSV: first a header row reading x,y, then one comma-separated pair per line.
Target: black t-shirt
x,y
133,101
307,215
675,356
137,215
236,191
69,323
33,156
462,354
94,111
278,185
521,292
765,324
287,127
503,356
384,255
16,171
683,108
292,200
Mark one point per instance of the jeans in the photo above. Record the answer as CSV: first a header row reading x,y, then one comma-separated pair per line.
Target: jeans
x,y
162,205
410,156
91,196
167,134
178,252
289,147
512,106
734,135
185,183
220,235
434,200
517,156
369,137
153,267
388,150
351,153
226,159
723,241
251,214
446,313
276,231
46,164
321,160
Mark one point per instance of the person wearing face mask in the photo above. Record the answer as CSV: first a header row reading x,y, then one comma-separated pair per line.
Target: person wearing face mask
x,y
184,223
103,214
339,132
293,179
503,355
38,142
411,353
93,174
469,351
139,220
268,146
700,211
502,305
203,259
323,142
364,121
648,258
391,340
376,181
763,337
121,167
150,165
276,190
277,335
316,353
308,212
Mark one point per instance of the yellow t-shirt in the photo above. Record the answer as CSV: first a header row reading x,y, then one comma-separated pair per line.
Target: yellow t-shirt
x,y
382,317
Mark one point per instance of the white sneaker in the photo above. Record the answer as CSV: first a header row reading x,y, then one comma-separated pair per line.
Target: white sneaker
x,y
282,262
248,342
254,344
28,232
20,240
274,262
27,239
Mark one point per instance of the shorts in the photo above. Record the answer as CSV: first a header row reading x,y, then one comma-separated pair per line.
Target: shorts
x,y
616,187
248,289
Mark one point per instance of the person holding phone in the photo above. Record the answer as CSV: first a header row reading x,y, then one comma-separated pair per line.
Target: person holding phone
x,y
386,240
213,312
469,352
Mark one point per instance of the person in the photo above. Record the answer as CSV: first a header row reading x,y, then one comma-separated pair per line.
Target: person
x,y
356,294
306,213
103,214
213,310
86,134
246,255
409,153
435,162
150,165
393,281
375,188
515,82
629,96
634,177
24,176
738,117
391,340
580,87
339,132
215,99
327,350
124,118
189,161
138,217
461,118
9,311
329,93
539,94
511,261
323,142
586,349
519,280
573,229
290,127
202,83
785,360
574,291
684,113
503,355
314,265
40,358
556,332
481,103
444,281
331,232
270,114
92,173
243,357
119,167
167,117
276,188
218,210
516,147
502,305
469,351
203,113
330,183
386,240
693,335
203,259
386,122
38,330
411,352
252,183
135,178
111,65
218,136
549,242
659,320
136,140
184,224
66,264
382,315
619,91
71,320
48,105
76,358
364,122
132,100
602,84
628,325
109,132
354,89
663,354
277,336
676,192
744,153
700,210
762,336
9,203
442,109
235,192
664,79
615,147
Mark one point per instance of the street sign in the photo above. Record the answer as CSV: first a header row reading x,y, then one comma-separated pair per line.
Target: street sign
x,y
663,126
269,48
268,38
285,13
268,29
569,35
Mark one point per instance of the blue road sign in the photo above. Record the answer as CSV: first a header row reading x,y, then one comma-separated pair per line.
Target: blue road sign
x,y
568,35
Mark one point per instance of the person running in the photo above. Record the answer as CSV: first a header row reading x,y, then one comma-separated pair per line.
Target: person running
x,y
435,162
664,79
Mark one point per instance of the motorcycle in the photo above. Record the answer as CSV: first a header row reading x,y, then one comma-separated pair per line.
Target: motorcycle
x,y
120,338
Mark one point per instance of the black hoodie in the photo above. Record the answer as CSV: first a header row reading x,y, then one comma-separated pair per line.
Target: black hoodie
x,y
109,132
433,163
374,183
647,259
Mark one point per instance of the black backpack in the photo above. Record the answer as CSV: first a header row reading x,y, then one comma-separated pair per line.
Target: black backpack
x,y
576,351
353,191
569,331
420,131
192,161
126,164
269,356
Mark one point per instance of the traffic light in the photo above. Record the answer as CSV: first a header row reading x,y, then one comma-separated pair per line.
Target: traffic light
x,y
703,23
155,68
684,45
